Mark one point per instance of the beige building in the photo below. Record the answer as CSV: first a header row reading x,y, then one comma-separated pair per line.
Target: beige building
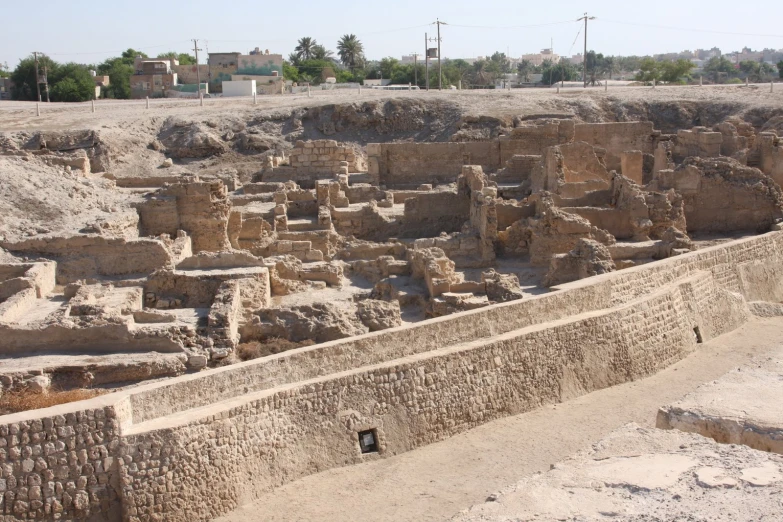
x,y
538,58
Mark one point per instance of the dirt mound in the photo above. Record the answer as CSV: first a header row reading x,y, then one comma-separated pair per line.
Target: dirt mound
x,y
184,139
380,120
38,199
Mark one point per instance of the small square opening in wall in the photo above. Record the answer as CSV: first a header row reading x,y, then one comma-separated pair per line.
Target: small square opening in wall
x,y
368,441
697,335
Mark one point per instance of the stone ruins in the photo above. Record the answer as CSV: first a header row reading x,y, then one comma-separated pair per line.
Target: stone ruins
x,y
341,302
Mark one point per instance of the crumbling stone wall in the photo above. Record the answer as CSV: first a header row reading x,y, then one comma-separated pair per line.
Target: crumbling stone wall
x,y
201,209
722,195
699,141
80,257
617,138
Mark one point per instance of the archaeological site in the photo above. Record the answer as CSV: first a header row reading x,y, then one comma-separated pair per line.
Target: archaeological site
x,y
244,312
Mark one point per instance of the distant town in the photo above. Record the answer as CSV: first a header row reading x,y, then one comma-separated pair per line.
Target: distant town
x,y
135,75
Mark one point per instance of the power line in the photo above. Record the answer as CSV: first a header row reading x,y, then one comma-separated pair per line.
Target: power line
x,y
691,29
511,26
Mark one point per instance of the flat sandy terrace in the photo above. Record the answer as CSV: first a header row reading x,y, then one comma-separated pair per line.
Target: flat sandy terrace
x,y
16,116
438,481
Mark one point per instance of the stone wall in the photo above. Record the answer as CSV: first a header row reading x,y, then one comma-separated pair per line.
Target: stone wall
x,y
323,157
173,451
199,208
81,257
617,138
699,142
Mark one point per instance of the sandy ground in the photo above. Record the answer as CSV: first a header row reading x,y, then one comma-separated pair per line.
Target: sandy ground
x,y
438,481
16,116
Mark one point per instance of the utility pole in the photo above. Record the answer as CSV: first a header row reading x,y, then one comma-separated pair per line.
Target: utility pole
x,y
416,69
46,83
440,69
37,78
198,70
584,57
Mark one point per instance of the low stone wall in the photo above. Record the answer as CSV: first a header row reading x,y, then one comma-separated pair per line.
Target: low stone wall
x,y
322,157
193,447
80,257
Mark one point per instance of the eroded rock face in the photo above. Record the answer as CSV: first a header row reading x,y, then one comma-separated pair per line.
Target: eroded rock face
x,y
379,315
321,322
587,259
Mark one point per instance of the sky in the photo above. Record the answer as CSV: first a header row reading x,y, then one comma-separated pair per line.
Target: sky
x,y
89,31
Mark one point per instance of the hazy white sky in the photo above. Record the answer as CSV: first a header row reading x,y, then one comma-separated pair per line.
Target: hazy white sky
x,y
90,31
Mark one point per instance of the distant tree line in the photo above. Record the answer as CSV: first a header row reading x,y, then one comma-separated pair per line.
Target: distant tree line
x,y
72,82
312,62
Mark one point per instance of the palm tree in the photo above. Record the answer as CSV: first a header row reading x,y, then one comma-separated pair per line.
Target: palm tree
x,y
351,51
321,53
481,72
608,67
305,48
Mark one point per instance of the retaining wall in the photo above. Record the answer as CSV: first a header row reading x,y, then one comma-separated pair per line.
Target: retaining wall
x,y
193,447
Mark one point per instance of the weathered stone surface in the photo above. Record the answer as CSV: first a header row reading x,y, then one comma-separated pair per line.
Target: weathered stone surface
x,y
379,315
319,322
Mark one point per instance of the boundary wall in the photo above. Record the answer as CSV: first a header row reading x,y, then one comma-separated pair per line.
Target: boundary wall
x,y
194,447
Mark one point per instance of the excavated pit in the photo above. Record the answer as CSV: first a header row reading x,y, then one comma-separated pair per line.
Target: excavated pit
x,y
198,262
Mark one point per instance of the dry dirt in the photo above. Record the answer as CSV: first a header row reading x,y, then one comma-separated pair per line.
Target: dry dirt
x,y
438,481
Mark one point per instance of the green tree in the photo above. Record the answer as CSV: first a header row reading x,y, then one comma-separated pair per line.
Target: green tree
x,y
780,69
751,69
305,48
553,73
351,51
4,72
129,57
69,90
720,66
119,70
119,73
72,82
501,62
24,79
290,72
673,72
524,70
648,70
388,66
183,58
